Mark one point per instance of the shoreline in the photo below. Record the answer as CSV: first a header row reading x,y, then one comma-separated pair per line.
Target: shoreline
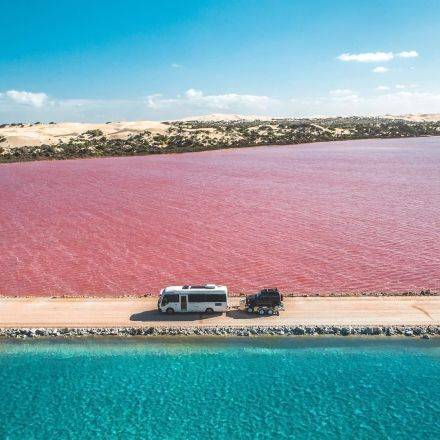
x,y
423,332
34,153
348,294
201,150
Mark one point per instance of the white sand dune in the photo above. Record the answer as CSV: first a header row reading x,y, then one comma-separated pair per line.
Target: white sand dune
x,y
217,117
432,117
38,134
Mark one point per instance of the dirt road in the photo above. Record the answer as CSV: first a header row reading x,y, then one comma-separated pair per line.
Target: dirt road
x,y
121,312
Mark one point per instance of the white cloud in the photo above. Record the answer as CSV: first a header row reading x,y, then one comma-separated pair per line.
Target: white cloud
x,y
368,57
196,94
227,100
156,101
425,95
176,65
404,101
376,57
380,69
27,98
406,86
346,95
337,102
393,102
408,54
340,92
193,98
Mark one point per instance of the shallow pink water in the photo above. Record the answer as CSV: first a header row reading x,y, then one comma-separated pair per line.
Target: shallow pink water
x,y
341,216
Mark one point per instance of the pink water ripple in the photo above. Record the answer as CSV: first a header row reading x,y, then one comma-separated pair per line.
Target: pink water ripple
x,y
328,217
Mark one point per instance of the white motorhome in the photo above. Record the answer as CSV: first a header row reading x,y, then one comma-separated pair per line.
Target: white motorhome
x,y
209,298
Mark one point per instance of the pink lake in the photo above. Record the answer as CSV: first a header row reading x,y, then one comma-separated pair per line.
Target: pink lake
x,y
313,218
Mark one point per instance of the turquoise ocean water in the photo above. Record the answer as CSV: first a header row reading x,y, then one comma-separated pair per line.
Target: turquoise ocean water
x,y
220,388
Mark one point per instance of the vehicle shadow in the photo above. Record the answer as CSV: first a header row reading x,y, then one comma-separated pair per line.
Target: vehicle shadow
x,y
241,314
155,316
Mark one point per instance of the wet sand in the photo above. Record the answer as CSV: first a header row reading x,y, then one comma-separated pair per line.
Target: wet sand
x,y
138,312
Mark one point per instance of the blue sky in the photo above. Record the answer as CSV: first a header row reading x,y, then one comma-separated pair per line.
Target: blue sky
x,y
114,60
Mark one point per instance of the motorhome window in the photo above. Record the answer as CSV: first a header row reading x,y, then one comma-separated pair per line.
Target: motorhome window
x,y
217,297
170,298
197,297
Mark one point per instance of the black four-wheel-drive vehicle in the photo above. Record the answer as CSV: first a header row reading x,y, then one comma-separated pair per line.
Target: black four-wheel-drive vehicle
x,y
265,302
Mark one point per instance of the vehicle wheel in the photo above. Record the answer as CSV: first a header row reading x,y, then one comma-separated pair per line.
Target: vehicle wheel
x,y
250,310
261,312
209,311
270,312
170,311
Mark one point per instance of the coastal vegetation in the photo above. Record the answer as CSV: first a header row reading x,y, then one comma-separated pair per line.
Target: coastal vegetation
x,y
187,136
